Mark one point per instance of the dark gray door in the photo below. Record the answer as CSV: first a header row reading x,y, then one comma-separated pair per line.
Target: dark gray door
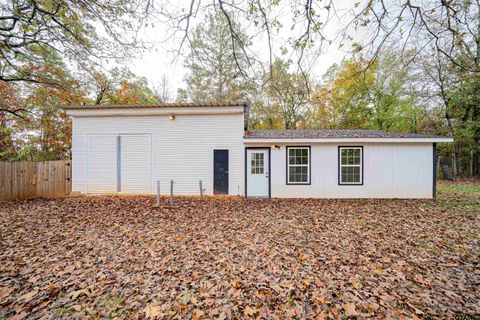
x,y
220,171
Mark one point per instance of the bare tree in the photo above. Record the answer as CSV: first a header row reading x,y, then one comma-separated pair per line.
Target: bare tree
x,y
164,91
451,26
34,34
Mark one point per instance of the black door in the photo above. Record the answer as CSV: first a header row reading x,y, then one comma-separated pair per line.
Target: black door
x,y
220,171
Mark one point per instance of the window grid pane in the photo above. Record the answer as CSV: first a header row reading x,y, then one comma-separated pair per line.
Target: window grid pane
x,y
350,165
298,165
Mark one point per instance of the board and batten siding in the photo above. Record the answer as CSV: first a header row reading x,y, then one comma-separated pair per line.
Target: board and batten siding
x,y
181,149
390,170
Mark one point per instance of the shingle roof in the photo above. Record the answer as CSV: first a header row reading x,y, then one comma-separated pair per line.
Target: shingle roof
x,y
157,105
329,134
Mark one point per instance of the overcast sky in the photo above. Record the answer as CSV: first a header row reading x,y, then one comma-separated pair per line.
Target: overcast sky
x,y
160,59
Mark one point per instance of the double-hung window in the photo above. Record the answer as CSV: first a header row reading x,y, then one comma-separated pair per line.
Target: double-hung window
x,y
350,165
298,165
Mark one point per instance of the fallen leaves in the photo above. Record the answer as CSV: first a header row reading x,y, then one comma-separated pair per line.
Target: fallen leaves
x,y
152,310
224,258
19,316
5,292
249,311
351,310
354,282
75,294
27,297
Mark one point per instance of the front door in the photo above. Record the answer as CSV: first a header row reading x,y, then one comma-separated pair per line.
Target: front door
x,y
257,172
220,171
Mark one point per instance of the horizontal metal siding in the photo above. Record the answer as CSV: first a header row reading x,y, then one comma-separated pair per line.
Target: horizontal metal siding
x,y
390,171
182,149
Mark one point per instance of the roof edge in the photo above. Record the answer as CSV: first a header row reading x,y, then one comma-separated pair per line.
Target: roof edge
x,y
347,140
156,105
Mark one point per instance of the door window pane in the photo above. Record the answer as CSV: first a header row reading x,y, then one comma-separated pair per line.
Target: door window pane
x,y
257,163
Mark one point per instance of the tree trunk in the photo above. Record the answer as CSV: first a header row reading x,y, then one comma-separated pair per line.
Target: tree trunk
x,y
472,160
454,164
476,141
99,98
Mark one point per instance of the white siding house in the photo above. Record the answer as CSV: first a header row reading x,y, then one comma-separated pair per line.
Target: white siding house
x,y
390,170
127,149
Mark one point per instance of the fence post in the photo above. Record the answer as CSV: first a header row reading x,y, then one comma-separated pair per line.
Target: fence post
x,y
12,177
158,193
201,188
171,193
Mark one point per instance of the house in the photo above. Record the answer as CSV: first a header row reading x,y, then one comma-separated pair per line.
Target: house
x,y
126,149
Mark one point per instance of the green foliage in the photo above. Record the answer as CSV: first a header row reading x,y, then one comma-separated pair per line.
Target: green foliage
x,y
182,96
460,87
265,116
465,106
286,97
46,132
214,64
363,94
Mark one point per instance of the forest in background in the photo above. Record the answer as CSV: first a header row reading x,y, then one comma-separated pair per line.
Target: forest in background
x,y
50,50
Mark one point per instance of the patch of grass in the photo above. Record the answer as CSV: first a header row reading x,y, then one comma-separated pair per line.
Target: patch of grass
x,y
464,317
460,188
458,195
64,311
112,301
116,313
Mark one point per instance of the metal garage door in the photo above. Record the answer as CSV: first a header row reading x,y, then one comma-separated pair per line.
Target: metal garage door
x,y
102,164
135,163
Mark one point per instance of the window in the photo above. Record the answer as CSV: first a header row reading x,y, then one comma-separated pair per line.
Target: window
x,y
350,165
298,165
257,164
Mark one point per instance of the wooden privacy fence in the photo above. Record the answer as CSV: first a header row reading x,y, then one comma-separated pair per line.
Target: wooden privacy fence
x,y
26,179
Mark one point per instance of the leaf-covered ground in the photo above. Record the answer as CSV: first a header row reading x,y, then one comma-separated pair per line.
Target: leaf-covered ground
x,y
100,257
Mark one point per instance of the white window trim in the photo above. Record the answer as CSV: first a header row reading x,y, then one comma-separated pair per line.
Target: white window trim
x,y
298,165
350,165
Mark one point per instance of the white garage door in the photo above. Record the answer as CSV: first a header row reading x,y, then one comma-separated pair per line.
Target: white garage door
x,y
135,163
102,164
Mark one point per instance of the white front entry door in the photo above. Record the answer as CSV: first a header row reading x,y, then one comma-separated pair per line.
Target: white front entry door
x,y
258,175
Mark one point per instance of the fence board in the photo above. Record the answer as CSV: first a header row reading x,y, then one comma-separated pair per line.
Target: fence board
x,y
25,179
